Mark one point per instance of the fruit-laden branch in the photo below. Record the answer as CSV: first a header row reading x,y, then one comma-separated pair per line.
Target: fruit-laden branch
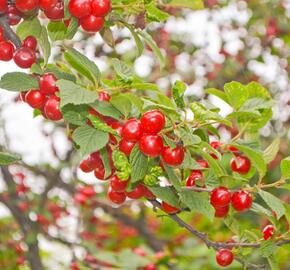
x,y
8,32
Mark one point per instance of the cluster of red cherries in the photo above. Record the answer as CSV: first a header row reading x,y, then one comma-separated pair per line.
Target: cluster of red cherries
x,y
45,98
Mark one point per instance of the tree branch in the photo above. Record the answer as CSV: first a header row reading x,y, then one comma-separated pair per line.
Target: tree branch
x,y
8,32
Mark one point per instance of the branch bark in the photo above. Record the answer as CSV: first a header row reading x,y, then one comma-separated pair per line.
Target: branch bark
x,y
8,32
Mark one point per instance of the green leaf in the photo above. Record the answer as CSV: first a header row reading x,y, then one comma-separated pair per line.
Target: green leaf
x,y
273,263
139,164
187,137
236,94
172,177
29,28
71,93
75,114
166,194
106,109
59,73
83,65
193,4
271,151
107,36
139,43
285,167
7,158
267,248
178,94
122,70
256,90
273,202
198,201
18,81
56,30
106,162
89,139
154,14
44,44
72,28
122,103
218,93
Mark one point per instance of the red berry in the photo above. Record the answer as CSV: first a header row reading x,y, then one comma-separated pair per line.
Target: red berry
x,y
132,130
173,157
30,42
151,145
118,127
152,122
137,193
26,5
215,145
116,197
202,163
14,16
3,6
2,37
150,266
91,163
222,211
224,257
100,8
169,208
268,232
195,175
92,23
35,99
6,51
233,149
51,109
241,164
88,191
241,200
47,84
79,8
148,194
56,13
126,147
117,184
24,57
104,96
80,198
220,197
47,4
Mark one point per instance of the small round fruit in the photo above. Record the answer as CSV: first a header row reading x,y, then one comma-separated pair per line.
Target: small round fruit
x,y
173,157
2,36
88,191
47,84
14,16
241,164
24,57
92,23
79,8
80,198
26,5
152,122
47,4
220,197
100,8
35,99
137,193
6,51
195,175
268,232
91,163
51,109
202,163
117,184
132,130
3,6
169,209
224,257
126,147
116,197
56,13
241,200
151,145
30,42
222,211
104,96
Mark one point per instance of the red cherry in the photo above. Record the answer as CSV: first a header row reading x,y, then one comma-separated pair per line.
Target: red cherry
x,y
56,13
51,109
169,209
224,257
47,4
91,163
215,145
233,149
116,197
6,51
132,130
35,99
30,42
241,164
92,23
88,191
79,8
47,84
100,8
220,197
14,16
153,121
118,127
137,193
268,232
80,198
118,185
241,200
222,211
148,194
24,57
3,6
2,37
202,163
150,266
151,145
26,5
195,175
74,266
104,96
173,157
126,147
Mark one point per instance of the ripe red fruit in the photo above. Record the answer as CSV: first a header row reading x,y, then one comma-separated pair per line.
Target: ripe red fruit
x,y
80,198
241,200
173,157
268,232
51,109
92,23
91,163
6,51
116,197
117,184
241,164
30,42
88,191
3,6
35,99
132,130
100,8
169,209
202,163
126,147
137,193
222,211
151,145
2,37
152,122
56,13
195,175
79,8
104,96
24,57
220,197
13,15
215,145
224,257
47,84
148,194
116,126
26,5
47,4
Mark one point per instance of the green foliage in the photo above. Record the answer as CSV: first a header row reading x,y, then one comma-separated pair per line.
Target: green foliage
x,y
18,81
7,158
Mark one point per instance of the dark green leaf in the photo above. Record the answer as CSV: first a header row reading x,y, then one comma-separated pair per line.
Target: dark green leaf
x,y
166,194
18,81
139,164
